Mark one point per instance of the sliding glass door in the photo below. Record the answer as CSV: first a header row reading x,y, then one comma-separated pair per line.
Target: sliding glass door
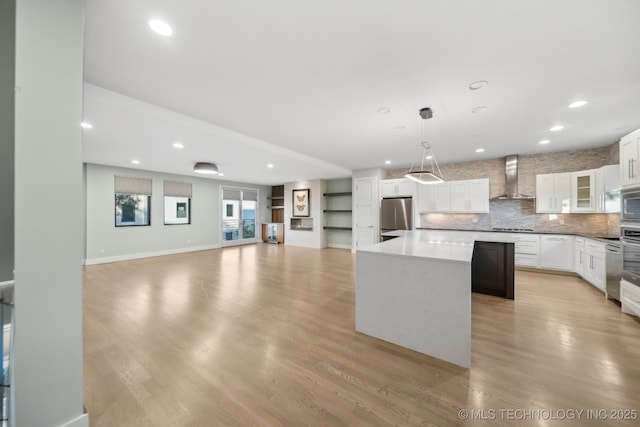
x,y
239,213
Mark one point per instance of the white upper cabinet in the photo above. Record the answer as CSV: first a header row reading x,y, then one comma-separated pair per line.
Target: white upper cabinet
x,y
454,196
629,159
583,191
400,187
553,193
608,189
433,198
470,195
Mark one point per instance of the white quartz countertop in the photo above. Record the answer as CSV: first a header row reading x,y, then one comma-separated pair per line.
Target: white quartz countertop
x,y
425,244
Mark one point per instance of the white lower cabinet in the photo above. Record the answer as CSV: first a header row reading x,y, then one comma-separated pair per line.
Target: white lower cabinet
x,y
630,298
581,257
595,270
556,252
527,250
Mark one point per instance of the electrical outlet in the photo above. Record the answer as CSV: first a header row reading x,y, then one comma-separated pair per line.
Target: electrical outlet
x,y
102,251
562,222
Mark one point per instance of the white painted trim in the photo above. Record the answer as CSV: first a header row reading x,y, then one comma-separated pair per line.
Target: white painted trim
x,y
81,421
105,260
7,284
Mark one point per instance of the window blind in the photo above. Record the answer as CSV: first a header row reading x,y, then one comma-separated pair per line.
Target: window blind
x,y
132,185
177,189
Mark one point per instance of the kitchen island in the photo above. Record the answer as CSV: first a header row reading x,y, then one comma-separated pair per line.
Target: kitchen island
x,y
415,291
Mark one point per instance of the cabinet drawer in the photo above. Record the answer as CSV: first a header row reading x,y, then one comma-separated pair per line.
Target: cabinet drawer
x,y
526,260
527,247
595,247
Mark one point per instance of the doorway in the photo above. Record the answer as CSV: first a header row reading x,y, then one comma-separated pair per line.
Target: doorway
x,y
239,213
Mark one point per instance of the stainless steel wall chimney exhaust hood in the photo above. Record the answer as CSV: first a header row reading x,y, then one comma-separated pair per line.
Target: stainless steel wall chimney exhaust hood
x,y
511,181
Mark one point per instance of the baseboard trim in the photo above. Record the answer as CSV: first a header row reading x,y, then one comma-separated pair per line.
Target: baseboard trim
x,y
128,257
81,421
339,246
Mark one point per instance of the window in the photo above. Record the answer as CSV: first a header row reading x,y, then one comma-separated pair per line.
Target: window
x,y
132,201
177,202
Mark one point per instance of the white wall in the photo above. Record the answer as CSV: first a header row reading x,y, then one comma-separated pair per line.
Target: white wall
x,y
108,243
48,222
310,239
7,81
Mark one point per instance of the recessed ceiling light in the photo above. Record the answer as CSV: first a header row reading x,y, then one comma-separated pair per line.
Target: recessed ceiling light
x,y
178,145
160,27
270,165
135,162
220,174
544,141
478,84
383,110
556,128
387,162
479,109
429,157
479,150
578,104
86,125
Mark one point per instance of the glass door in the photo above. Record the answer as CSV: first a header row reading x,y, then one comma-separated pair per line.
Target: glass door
x,y
239,213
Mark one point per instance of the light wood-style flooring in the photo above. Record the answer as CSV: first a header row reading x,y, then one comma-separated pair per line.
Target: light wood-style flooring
x,y
263,335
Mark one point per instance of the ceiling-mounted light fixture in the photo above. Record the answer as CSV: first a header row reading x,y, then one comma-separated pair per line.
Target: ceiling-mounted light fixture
x,y
206,168
432,174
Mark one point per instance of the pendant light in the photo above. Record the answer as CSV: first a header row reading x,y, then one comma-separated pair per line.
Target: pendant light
x,y
431,174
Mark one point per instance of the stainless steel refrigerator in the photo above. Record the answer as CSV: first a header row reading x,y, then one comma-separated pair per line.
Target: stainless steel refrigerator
x,y
395,214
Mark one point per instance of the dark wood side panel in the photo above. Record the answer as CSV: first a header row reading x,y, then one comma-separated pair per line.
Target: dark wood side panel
x,y
492,269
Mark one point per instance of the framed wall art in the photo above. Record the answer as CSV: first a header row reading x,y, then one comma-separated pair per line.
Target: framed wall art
x,y
301,202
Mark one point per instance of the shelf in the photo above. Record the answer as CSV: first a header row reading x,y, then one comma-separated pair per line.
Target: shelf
x,y
275,207
337,210
328,227
345,193
276,197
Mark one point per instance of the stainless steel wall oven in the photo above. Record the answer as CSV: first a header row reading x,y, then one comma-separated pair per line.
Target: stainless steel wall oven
x,y
630,240
630,210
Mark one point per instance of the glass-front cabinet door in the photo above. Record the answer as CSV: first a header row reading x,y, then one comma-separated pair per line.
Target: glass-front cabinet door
x,y
583,186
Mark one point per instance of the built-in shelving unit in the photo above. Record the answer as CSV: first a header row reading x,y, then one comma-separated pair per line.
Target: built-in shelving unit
x,y
277,215
277,203
336,204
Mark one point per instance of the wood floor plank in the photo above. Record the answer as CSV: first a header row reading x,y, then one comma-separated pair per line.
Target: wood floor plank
x,y
264,335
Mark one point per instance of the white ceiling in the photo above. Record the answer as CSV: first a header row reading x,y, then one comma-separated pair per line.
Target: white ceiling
x,y
299,84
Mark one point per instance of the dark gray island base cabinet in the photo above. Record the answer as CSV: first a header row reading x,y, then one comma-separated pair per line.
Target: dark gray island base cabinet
x,y
492,269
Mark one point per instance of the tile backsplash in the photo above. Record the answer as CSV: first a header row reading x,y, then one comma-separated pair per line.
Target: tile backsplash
x,y
522,214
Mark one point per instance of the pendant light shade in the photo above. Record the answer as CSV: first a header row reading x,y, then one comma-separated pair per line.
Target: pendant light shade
x,y
429,173
205,168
